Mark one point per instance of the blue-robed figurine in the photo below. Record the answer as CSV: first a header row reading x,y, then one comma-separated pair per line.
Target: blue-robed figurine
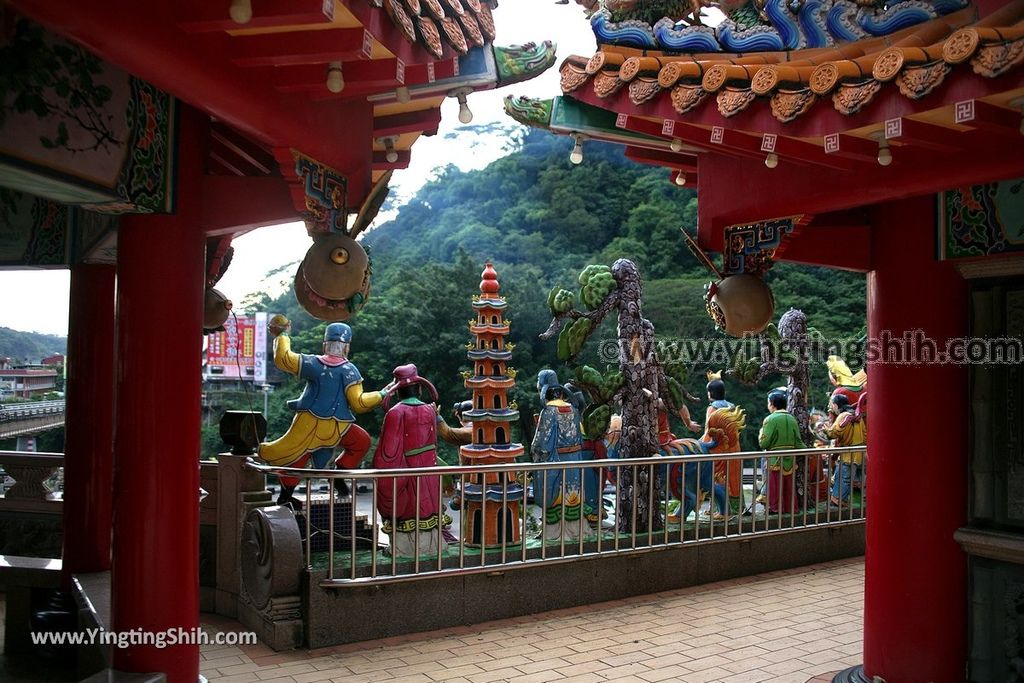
x,y
559,438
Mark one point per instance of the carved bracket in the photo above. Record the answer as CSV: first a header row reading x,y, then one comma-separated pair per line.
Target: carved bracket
x,y
750,247
319,192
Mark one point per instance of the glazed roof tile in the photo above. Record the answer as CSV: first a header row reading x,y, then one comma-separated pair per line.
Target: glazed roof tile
x,y
915,60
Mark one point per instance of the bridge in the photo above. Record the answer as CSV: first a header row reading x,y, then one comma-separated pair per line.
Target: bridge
x,y
25,419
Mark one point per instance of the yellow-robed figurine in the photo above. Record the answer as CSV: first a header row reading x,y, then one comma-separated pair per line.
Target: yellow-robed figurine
x,y
325,412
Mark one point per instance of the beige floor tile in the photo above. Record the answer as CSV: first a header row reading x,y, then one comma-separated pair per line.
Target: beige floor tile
x,y
784,627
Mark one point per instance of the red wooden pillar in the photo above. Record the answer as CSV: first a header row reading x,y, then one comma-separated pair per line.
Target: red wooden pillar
x,y
89,421
915,596
160,268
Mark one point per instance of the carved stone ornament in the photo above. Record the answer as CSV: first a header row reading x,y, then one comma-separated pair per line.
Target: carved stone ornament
x,y
643,89
686,97
606,84
789,104
270,555
572,77
430,36
917,81
824,78
850,98
732,101
453,34
29,482
995,60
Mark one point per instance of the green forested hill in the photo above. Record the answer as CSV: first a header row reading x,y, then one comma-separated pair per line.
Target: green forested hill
x,y
541,219
29,347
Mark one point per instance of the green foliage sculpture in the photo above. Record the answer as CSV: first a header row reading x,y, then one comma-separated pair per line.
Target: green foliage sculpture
x,y
635,385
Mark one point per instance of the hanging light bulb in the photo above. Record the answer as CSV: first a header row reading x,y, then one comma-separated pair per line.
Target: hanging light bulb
x,y
390,153
676,145
772,160
884,153
576,155
680,179
402,94
335,79
465,115
240,11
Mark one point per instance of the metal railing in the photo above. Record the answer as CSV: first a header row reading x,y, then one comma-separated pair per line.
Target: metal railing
x,y
670,476
21,411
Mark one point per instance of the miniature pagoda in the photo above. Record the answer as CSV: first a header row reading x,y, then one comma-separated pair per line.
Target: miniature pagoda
x,y
492,501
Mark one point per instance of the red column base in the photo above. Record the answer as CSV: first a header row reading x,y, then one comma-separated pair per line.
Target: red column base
x,y
855,674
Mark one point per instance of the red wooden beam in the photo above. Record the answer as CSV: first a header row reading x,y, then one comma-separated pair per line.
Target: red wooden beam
x,y
144,40
302,47
381,163
411,122
205,16
232,205
219,165
851,147
685,132
981,115
800,152
654,157
846,247
379,24
361,78
247,150
418,74
906,131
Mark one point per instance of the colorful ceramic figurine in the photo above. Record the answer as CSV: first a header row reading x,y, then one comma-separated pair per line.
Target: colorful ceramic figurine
x,y
847,429
325,413
559,438
731,474
721,435
850,385
780,431
593,449
410,510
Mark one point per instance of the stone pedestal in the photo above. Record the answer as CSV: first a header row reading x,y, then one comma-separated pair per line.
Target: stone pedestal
x,y
239,491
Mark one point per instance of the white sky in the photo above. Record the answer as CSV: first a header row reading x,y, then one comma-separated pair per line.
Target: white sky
x,y
37,300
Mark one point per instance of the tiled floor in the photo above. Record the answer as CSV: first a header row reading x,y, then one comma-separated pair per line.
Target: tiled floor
x,y
788,626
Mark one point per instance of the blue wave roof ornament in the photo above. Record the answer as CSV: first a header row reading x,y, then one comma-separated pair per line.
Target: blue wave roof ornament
x,y
766,25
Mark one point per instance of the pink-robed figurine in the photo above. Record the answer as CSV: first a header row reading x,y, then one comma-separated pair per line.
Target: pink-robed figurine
x,y
408,438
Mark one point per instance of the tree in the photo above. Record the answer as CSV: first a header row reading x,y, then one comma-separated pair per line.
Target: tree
x,y
643,382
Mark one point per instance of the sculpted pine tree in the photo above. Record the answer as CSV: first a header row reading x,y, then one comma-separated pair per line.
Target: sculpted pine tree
x,y
643,379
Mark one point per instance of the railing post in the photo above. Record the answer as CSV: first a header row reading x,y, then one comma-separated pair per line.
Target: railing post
x,y
239,490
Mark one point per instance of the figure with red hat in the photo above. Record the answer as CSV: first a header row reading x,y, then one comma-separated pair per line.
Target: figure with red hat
x,y
325,412
410,510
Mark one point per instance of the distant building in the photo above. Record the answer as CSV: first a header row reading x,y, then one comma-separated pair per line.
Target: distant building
x,y
55,359
27,382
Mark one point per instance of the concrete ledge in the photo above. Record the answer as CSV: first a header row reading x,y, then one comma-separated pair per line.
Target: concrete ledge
x,y
345,615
